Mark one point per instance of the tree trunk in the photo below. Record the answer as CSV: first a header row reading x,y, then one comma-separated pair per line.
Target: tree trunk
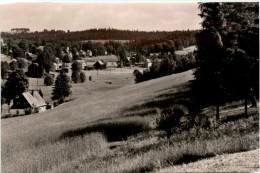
x,y
253,101
217,111
8,107
246,106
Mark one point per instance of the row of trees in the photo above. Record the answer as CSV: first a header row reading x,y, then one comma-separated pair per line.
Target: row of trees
x,y
166,65
103,34
17,83
12,66
228,53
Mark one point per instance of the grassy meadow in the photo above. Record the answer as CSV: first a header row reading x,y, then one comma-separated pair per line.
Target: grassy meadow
x,y
111,128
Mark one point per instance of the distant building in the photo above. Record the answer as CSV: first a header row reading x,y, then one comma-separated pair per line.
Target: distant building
x,y
148,63
89,53
31,56
99,65
31,101
89,65
41,48
57,66
186,51
154,54
20,30
82,63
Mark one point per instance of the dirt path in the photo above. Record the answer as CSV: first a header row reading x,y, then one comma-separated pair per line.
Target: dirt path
x,y
237,162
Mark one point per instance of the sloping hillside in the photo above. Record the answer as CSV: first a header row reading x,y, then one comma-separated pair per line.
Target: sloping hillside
x,y
110,131
22,133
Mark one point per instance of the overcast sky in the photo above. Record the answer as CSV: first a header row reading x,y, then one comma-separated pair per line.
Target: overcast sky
x,y
82,16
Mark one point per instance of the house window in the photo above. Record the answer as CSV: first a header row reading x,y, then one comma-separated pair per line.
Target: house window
x,y
17,112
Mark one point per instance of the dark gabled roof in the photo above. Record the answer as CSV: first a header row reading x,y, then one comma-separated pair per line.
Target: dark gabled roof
x,y
34,100
99,62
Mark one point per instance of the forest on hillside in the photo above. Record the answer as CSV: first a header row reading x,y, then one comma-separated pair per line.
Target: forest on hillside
x,y
56,36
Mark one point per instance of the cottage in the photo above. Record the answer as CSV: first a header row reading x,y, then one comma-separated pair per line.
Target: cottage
x,y
89,53
186,51
148,63
31,56
82,63
111,64
89,65
57,66
28,102
99,65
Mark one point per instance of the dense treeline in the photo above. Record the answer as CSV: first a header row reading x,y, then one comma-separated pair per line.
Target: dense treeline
x,y
228,54
164,65
104,34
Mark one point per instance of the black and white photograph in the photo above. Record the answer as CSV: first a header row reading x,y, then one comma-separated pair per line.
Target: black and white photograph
x,y
129,87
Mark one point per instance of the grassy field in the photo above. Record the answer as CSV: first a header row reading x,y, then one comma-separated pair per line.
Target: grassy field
x,y
112,130
100,83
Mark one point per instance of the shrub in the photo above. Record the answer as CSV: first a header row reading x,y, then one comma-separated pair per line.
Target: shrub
x,y
28,112
48,80
170,119
75,77
82,77
49,106
90,78
138,75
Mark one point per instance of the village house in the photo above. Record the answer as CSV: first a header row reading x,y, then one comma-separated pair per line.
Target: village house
x,y
90,65
30,56
28,102
57,66
82,63
89,53
148,63
111,62
185,52
99,65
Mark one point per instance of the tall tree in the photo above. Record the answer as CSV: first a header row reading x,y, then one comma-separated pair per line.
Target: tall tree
x,y
242,71
16,84
61,88
210,54
4,69
46,60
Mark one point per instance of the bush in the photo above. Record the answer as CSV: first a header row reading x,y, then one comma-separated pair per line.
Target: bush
x,y
170,119
28,112
82,77
90,78
138,75
49,106
75,77
48,80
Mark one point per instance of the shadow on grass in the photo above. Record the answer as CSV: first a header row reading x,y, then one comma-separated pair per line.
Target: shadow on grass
x,y
234,117
162,101
113,131
188,158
